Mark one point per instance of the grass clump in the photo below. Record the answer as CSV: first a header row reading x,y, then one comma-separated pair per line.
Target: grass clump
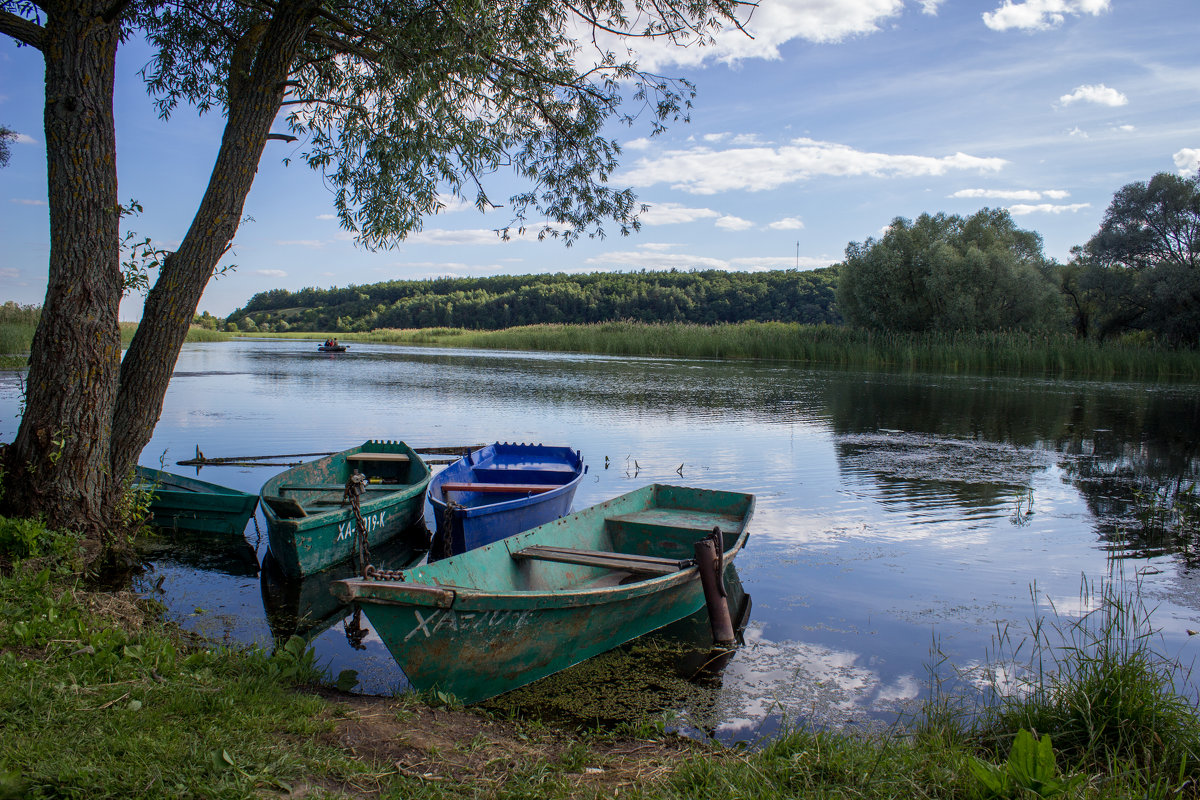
x,y
1102,687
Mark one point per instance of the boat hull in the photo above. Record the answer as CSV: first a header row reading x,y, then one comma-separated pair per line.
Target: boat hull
x,y
484,622
325,533
467,519
189,504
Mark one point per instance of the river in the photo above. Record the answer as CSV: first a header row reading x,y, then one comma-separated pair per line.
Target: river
x,y
902,521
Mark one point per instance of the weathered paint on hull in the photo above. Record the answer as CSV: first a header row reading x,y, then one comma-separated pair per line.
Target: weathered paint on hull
x,y
182,503
308,544
443,647
484,622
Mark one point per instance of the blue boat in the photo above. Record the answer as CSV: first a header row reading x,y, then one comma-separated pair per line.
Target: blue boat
x,y
500,490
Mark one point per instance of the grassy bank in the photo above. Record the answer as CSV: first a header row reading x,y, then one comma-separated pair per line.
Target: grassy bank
x,y
104,700
827,345
16,336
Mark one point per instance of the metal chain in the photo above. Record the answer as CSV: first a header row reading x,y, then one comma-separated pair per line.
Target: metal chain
x,y
374,573
448,527
355,485
354,629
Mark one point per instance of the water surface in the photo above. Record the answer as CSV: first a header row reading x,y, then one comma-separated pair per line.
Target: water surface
x,y
895,513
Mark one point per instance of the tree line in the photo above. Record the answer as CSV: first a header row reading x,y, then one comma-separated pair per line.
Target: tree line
x,y
1138,276
503,301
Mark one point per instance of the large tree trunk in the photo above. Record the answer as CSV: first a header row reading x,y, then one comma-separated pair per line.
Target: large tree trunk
x,y
58,466
255,100
88,413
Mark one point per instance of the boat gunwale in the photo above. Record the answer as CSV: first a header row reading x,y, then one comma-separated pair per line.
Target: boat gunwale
x,y
440,504
316,519
466,598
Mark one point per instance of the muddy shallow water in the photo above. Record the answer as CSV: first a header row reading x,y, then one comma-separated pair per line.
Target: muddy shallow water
x,y
895,513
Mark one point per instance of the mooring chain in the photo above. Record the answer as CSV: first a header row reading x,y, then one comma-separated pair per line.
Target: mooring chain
x,y
718,539
374,573
356,484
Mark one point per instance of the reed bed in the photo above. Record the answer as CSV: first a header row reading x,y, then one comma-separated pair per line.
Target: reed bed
x,y
1010,352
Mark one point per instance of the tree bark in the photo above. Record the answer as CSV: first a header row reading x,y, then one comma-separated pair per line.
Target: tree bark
x,y
58,465
255,101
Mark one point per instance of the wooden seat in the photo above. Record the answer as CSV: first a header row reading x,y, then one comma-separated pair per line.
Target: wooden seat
x,y
629,562
377,457
285,507
499,488
338,487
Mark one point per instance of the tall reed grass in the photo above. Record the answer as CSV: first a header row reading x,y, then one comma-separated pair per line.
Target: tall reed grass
x,y
1012,352
1103,687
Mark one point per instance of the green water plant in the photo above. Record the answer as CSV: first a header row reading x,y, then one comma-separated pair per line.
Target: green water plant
x,y
1031,769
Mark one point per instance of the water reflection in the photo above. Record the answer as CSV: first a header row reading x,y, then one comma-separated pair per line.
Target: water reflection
x,y
891,509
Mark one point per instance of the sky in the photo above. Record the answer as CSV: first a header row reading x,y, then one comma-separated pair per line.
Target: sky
x,y
833,118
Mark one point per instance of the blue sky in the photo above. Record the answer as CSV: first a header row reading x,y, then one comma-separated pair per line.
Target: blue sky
x,y
836,117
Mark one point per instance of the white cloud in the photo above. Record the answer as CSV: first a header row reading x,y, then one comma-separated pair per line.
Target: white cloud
x,y
743,139
9,273
311,243
24,138
638,144
1040,14
770,26
787,224
326,216
1125,128
454,203
271,273
714,137
761,263
1078,131
1187,160
474,236
731,223
659,247
701,170
25,201
1012,194
651,260
930,7
1021,209
674,214
1099,94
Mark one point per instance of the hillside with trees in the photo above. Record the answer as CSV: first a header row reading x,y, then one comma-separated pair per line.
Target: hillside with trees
x,y
503,301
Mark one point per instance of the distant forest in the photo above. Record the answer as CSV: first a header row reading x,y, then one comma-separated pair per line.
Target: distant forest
x,y
706,297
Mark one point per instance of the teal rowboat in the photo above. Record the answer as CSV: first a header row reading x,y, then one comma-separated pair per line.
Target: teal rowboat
x,y
190,504
311,527
505,614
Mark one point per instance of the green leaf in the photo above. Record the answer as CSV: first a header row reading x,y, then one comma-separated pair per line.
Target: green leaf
x,y
347,679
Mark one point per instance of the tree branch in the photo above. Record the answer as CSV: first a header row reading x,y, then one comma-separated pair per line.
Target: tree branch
x,y
21,29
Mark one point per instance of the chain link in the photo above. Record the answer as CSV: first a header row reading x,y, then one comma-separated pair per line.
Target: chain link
x,y
356,484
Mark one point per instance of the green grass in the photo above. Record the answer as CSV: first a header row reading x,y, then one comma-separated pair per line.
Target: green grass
x,y
103,700
17,337
1007,352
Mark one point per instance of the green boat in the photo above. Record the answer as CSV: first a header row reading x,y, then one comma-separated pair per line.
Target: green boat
x,y
190,504
310,524
505,614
